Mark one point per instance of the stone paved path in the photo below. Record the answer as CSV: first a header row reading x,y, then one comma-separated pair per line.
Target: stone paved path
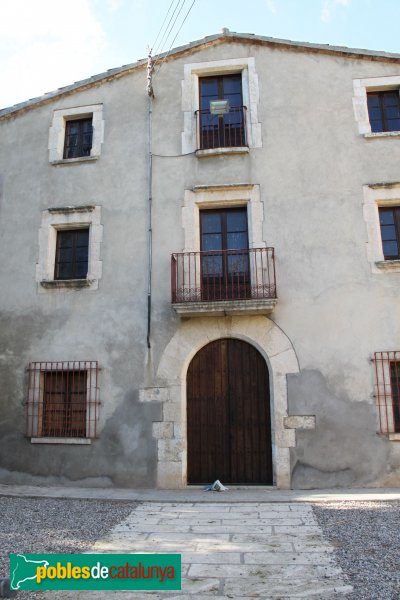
x,y
229,550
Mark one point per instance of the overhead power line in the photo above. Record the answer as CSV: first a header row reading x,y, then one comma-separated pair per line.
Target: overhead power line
x,y
176,35
159,31
168,29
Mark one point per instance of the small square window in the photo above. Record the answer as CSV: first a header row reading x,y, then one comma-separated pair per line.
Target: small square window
x,y
384,110
72,251
63,399
389,220
78,138
69,248
76,134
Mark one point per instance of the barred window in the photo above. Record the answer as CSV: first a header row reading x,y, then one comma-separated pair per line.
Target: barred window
x,y
63,399
387,390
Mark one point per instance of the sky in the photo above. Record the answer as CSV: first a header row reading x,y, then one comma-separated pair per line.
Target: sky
x,y
46,44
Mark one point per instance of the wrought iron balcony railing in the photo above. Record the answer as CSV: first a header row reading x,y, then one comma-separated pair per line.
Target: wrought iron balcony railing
x,y
219,275
221,131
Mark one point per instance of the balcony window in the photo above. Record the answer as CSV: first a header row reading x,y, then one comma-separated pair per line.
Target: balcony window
x,y
221,117
224,274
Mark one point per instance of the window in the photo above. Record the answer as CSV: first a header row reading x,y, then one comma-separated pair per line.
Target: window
x,y
384,110
389,219
78,138
72,254
69,248
381,211
63,400
387,372
225,275
221,117
235,80
376,104
76,134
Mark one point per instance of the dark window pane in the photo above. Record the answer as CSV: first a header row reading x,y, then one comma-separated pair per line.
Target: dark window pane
x,y
212,241
65,239
82,236
211,222
237,240
81,253
236,221
388,232
376,126
64,271
394,124
392,112
212,266
390,249
375,113
390,99
209,86
80,270
386,217
373,101
232,85
65,255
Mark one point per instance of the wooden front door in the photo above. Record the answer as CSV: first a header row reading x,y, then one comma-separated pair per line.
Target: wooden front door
x,y
228,415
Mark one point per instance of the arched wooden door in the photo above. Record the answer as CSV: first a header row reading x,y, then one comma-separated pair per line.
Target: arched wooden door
x,y
228,415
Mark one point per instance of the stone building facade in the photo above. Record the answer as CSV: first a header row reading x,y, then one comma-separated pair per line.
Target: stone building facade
x,y
205,284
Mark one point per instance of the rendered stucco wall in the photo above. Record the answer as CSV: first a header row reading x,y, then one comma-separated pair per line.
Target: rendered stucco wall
x,y
335,311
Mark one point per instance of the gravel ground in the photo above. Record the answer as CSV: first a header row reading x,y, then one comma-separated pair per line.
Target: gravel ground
x,y
40,525
366,536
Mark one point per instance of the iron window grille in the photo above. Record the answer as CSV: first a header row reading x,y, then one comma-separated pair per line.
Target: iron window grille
x,y
384,110
387,390
78,138
63,399
72,251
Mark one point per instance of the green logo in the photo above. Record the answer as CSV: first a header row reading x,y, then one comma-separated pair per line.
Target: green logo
x,y
95,571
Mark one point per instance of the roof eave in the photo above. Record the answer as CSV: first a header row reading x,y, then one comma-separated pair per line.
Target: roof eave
x,y
226,36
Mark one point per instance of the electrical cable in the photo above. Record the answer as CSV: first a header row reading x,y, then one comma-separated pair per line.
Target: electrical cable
x,y
168,31
159,31
172,43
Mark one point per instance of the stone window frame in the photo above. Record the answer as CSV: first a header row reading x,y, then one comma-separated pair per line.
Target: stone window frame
x,y
360,106
57,133
70,217
376,196
222,196
190,99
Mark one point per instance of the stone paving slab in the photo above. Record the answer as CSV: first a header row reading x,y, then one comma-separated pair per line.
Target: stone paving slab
x,y
237,551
